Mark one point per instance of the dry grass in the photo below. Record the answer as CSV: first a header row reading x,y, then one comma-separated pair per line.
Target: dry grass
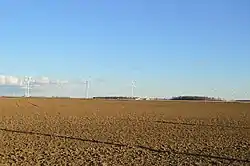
x,y
81,132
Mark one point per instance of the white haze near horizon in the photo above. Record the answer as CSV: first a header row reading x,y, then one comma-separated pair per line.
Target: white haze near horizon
x,y
44,86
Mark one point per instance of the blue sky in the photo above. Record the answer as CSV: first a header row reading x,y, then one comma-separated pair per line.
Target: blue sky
x,y
170,47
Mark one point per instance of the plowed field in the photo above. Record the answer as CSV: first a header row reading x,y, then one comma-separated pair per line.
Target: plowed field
x,y
97,132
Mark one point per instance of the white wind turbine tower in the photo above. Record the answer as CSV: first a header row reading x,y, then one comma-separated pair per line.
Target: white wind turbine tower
x,y
27,82
87,83
59,86
133,86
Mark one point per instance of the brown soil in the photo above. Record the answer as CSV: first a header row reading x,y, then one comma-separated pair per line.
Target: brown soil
x,y
92,132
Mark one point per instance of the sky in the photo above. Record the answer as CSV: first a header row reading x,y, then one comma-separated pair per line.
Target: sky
x,y
170,47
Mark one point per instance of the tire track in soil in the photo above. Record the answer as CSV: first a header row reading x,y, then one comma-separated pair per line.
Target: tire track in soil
x,y
191,124
17,105
35,105
124,145
205,125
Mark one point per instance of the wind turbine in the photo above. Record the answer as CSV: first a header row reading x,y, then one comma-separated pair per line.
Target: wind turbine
x,y
87,83
58,85
132,88
27,82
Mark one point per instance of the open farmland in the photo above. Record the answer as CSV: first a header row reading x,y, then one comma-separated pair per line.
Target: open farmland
x,y
98,132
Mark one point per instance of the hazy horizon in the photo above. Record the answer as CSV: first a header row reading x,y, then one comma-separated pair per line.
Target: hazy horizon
x,y
44,86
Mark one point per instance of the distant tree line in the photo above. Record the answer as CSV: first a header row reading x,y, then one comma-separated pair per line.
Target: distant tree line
x,y
195,98
63,97
115,98
242,100
173,98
